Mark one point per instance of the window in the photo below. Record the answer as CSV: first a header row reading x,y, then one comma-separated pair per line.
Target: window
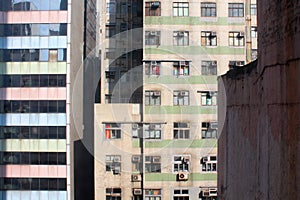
x,y
136,163
110,53
137,131
235,63
208,193
181,68
209,68
8,5
59,184
181,130
254,31
152,37
152,131
112,131
236,39
152,98
208,38
110,7
152,164
209,163
153,194
110,30
180,38
32,132
152,68
236,10
209,130
254,54
181,98
208,9
181,163
113,163
152,8
113,193
209,98
180,9
181,194
253,9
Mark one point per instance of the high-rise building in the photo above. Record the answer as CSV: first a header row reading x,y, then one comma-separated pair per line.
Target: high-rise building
x,y
42,47
156,126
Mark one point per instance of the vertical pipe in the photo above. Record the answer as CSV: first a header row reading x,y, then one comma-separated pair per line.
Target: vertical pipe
x,y
248,31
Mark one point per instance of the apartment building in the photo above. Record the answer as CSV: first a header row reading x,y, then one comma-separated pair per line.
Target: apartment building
x,y
37,70
156,126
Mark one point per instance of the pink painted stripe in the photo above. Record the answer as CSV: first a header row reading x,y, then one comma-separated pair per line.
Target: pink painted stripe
x,y
34,171
33,93
17,17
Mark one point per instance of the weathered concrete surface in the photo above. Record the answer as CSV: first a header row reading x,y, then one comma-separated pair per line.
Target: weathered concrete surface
x,y
259,146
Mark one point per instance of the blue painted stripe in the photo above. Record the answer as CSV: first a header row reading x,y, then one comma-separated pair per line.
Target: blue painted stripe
x,y
33,42
33,195
33,119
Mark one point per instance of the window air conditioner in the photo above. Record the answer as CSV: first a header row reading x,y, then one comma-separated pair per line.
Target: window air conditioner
x,y
117,170
214,62
205,192
135,126
213,34
204,159
153,33
239,63
153,63
214,125
183,93
156,159
183,176
137,191
117,159
180,34
182,63
155,4
241,34
156,93
135,158
152,126
136,178
213,192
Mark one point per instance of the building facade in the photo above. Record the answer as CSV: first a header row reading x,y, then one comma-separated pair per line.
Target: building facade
x,y
156,126
37,71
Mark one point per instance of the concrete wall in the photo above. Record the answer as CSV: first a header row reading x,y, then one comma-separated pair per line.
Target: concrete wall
x,y
259,147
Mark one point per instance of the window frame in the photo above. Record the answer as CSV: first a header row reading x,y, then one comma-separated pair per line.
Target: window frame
x,y
151,9
209,97
236,39
208,164
152,38
209,38
209,67
180,38
181,68
152,68
208,9
151,165
181,163
181,131
152,98
208,131
236,10
113,164
180,99
180,9
154,131
113,131
153,194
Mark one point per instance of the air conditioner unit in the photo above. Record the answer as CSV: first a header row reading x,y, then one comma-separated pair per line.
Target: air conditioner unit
x,y
136,178
182,63
214,62
183,176
153,63
213,34
137,191
135,126
152,126
117,159
135,158
241,34
205,192
117,170
180,34
239,63
214,125
156,159
186,159
204,159
153,33
156,93
155,4
213,192
183,93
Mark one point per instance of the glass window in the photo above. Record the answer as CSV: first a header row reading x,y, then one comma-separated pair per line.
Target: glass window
x,y
236,39
52,107
152,38
113,163
44,55
181,130
254,31
209,130
208,9
152,98
62,55
236,10
152,131
181,98
153,194
208,38
152,164
53,55
180,9
180,38
209,67
253,9
152,8
209,98
152,68
113,131
181,68
181,163
209,163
